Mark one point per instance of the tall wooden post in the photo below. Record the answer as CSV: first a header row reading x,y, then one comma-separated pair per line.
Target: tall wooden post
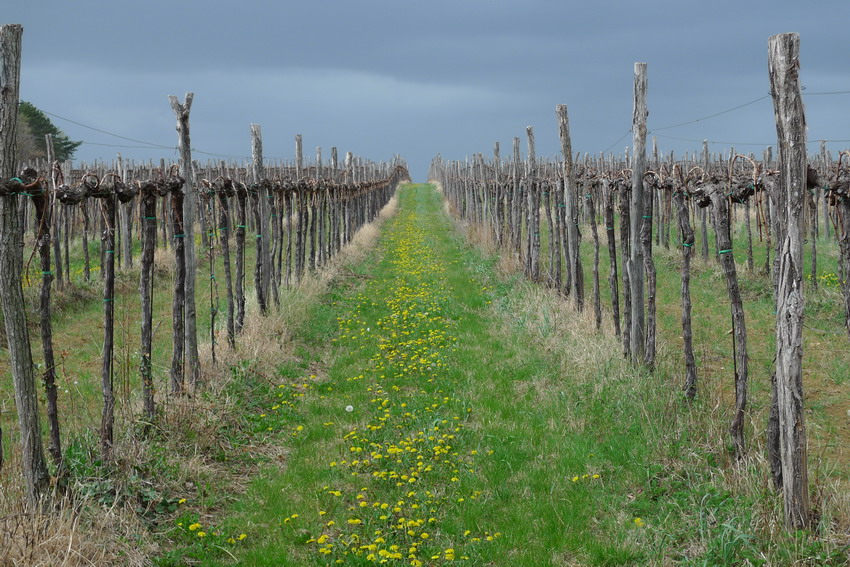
x,y
189,207
263,230
11,264
125,222
784,69
533,204
574,268
635,265
107,421
147,204
55,216
299,156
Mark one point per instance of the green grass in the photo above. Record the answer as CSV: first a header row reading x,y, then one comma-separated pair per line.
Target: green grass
x,y
561,453
550,449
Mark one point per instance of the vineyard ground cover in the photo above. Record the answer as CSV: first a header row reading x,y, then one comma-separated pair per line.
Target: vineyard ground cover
x,y
569,454
200,446
825,362
703,433
551,398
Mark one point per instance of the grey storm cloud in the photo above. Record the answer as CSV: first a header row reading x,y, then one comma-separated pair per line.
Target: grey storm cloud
x,y
381,78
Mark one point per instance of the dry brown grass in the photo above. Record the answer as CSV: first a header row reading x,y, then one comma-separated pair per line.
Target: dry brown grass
x,y
73,537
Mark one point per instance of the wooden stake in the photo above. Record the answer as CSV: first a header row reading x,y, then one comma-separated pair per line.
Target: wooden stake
x,y
635,264
11,265
784,69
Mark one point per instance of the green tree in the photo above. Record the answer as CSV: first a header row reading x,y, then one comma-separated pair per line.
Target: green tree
x,y
39,124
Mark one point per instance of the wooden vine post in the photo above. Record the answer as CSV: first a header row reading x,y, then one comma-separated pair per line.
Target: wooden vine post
x,y
43,199
148,194
516,203
608,198
263,235
190,206
649,271
106,192
241,228
178,301
718,193
53,214
625,243
687,234
11,264
224,191
635,263
597,302
783,67
533,204
575,272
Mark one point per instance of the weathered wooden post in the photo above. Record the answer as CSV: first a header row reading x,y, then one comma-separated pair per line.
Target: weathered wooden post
x,y
53,214
147,200
11,264
263,277
533,204
687,234
241,228
189,207
784,69
108,210
125,222
635,264
43,198
704,211
224,191
178,302
575,273
608,198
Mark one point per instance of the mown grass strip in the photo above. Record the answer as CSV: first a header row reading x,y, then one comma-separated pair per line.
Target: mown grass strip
x,y
434,436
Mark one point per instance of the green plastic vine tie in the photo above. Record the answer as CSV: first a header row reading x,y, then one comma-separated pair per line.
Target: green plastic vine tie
x,y
259,236
725,251
686,244
647,216
18,179
109,251
48,273
179,236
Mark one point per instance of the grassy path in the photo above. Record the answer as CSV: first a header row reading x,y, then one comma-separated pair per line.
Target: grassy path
x,y
421,432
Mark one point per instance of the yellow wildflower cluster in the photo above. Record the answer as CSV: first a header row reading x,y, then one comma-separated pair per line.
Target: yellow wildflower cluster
x,y
828,279
197,531
404,470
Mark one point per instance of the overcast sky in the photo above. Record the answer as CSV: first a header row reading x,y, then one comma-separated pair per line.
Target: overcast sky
x,y
380,78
